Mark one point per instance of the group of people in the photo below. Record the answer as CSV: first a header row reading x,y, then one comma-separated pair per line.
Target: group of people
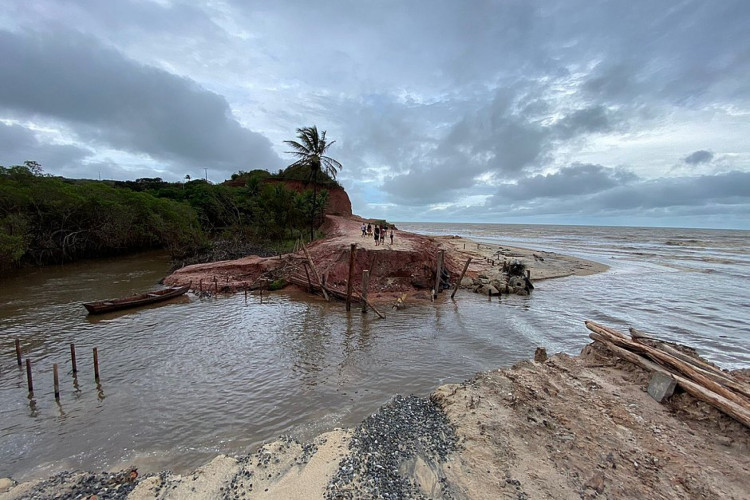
x,y
379,231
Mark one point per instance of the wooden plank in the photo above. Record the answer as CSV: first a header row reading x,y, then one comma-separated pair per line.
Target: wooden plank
x,y
315,272
724,405
670,361
702,367
438,273
458,283
365,284
352,252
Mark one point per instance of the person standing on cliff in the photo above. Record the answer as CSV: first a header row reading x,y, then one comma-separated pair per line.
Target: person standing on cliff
x,y
391,235
369,228
377,234
364,230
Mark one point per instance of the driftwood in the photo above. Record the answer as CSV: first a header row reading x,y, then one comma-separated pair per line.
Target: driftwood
x,y
693,381
701,366
738,412
315,272
670,361
332,291
460,279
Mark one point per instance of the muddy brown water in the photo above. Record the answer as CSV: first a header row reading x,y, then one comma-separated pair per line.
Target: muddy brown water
x,y
183,381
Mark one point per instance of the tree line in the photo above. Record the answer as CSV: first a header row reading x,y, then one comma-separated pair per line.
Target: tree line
x,y
52,220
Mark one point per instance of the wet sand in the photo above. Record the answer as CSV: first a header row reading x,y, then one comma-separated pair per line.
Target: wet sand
x,y
543,265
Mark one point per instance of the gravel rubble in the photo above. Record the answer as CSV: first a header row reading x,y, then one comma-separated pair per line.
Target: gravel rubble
x,y
402,430
77,485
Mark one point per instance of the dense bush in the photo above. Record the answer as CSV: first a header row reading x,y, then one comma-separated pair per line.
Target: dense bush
x,y
46,219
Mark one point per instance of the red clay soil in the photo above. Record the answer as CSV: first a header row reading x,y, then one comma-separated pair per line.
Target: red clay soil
x,y
406,266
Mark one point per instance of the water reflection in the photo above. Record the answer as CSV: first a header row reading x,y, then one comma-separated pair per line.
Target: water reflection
x,y
33,410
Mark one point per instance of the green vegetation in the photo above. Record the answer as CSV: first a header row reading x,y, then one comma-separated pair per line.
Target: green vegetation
x,y
50,220
310,153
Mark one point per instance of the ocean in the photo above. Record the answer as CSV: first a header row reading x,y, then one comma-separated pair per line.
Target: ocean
x,y
683,285
201,376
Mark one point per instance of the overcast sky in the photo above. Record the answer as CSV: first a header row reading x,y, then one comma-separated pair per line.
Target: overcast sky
x,y
567,112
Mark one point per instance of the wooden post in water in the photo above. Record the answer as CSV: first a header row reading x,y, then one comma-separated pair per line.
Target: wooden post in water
x,y
73,358
29,380
365,282
56,380
216,285
200,285
438,272
528,273
315,273
96,365
309,282
244,285
458,283
18,353
352,252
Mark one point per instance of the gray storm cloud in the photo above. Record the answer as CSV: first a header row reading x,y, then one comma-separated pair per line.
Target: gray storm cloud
x,y
115,102
498,110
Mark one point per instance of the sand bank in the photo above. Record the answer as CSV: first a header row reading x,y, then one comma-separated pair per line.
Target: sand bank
x,y
567,427
543,265
404,266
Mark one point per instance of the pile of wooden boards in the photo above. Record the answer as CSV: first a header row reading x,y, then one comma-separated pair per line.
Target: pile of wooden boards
x,y
698,378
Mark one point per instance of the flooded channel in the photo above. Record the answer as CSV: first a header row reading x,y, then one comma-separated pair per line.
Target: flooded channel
x,y
195,377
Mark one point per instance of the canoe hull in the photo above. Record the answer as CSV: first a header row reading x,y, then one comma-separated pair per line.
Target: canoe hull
x,y
104,306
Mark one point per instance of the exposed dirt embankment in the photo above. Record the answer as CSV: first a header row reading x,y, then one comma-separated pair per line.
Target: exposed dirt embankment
x,y
405,265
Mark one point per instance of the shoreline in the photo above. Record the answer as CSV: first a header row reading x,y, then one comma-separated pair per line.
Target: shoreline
x,y
564,427
544,265
405,267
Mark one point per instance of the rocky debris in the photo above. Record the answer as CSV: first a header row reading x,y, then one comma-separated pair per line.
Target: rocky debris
x,y
6,483
540,355
406,434
75,485
501,281
405,266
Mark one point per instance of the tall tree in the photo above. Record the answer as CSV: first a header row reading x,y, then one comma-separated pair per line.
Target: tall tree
x,y
310,149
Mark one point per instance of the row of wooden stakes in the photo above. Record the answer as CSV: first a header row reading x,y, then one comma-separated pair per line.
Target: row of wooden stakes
x,y
30,379
362,298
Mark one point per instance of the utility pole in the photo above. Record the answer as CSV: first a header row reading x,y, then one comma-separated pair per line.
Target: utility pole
x,y
206,173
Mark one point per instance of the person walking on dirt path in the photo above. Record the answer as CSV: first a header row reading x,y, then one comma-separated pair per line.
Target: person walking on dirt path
x,y
364,230
377,235
369,229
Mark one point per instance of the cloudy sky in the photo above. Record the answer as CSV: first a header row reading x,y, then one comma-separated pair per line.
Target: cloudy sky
x,y
567,111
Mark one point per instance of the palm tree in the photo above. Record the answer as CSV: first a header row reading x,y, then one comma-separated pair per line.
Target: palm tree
x,y
310,152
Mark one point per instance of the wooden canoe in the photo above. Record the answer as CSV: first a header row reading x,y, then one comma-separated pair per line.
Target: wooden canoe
x,y
103,306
